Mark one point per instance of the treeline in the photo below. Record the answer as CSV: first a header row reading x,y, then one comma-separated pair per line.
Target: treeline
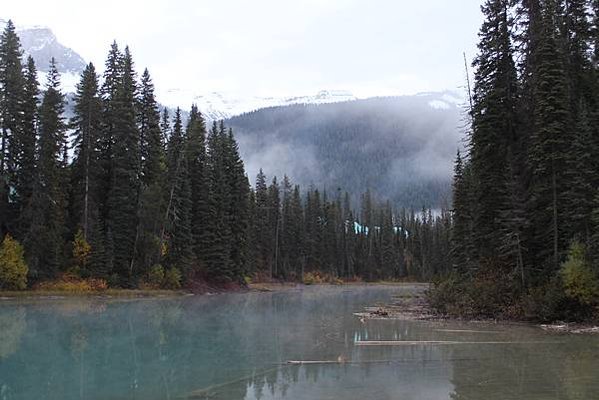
x,y
526,202
318,233
129,195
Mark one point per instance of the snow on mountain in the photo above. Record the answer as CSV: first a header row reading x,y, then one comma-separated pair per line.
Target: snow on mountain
x,y
40,43
68,81
216,106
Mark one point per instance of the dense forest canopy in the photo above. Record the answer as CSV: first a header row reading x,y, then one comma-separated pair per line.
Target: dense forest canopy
x,y
525,237
399,147
127,195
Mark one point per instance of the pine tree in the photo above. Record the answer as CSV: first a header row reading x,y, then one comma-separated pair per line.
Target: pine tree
x,y
493,121
153,183
578,35
261,228
112,79
217,255
389,256
274,226
295,231
199,176
152,162
550,153
11,107
44,240
238,207
287,228
25,174
86,170
580,194
123,195
462,219
179,207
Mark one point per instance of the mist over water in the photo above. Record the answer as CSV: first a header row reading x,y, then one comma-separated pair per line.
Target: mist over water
x,y
236,346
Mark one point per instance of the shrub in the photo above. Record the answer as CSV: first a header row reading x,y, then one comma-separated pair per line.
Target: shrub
x,y
13,269
579,281
172,279
73,284
450,296
155,276
547,302
312,278
81,250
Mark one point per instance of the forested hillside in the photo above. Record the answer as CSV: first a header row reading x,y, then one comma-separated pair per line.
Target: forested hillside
x,y
399,147
526,201
122,194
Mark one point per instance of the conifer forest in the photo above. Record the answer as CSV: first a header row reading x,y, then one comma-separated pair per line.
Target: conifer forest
x,y
126,192
303,200
133,194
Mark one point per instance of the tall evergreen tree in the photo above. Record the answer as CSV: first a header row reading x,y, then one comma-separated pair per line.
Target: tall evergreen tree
x,y
179,207
27,141
199,176
44,240
217,255
11,107
493,121
261,228
112,79
550,154
152,183
462,219
124,179
274,226
238,206
86,169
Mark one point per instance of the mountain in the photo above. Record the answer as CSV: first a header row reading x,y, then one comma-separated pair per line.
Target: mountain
x,y
401,147
216,106
40,43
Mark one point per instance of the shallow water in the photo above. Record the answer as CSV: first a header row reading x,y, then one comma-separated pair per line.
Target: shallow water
x,y
236,346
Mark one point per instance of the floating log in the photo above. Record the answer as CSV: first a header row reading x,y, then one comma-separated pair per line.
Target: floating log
x,y
464,331
434,343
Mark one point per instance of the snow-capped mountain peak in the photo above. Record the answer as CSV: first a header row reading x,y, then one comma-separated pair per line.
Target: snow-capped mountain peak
x,y
217,105
40,43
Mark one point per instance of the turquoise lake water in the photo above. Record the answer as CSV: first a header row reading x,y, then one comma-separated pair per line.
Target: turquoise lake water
x,y
236,346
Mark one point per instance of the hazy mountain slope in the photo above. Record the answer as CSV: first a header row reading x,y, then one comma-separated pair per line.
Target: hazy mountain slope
x,y
401,147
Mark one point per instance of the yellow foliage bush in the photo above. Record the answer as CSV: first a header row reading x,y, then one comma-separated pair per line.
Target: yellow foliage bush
x,y
81,250
317,278
73,284
312,278
13,268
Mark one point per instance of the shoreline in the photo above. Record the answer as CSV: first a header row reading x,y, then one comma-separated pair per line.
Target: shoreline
x,y
205,290
411,306
415,307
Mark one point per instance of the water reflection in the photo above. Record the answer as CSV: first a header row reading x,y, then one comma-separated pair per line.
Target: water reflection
x,y
237,347
13,324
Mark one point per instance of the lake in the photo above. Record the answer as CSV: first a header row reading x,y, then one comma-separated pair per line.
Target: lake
x,y
236,346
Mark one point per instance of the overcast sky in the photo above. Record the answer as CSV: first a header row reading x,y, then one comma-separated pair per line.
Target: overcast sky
x,y
273,47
